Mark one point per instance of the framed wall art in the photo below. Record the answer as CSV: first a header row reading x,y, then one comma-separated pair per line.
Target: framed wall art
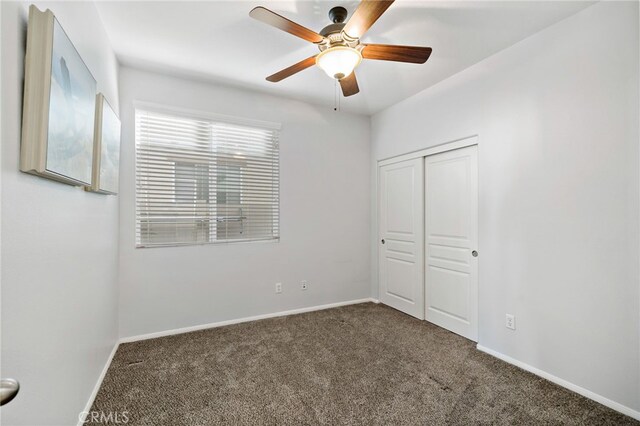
x,y
59,105
106,149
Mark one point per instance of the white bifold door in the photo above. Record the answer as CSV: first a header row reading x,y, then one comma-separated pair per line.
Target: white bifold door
x,y
401,236
451,229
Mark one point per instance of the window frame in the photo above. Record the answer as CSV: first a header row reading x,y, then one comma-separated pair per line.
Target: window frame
x,y
213,117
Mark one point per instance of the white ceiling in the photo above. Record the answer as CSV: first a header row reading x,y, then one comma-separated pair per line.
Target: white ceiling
x,y
218,41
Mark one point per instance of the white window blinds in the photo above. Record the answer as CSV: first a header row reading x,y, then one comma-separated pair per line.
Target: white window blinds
x,y
203,181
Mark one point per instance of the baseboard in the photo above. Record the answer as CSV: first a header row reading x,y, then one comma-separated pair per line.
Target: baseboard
x,y
83,414
241,320
564,383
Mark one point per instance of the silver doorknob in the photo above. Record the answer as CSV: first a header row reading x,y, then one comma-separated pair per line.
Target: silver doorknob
x,y
474,253
8,390
382,241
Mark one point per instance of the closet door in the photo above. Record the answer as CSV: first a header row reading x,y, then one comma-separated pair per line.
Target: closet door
x,y
451,225
401,236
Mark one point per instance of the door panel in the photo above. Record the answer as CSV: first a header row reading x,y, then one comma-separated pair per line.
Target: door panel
x,y
401,257
399,207
400,279
451,222
449,292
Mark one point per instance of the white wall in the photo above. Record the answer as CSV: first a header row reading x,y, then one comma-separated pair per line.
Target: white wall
x,y
324,217
557,119
59,247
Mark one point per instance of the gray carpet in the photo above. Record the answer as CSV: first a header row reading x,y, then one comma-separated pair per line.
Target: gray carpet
x,y
363,364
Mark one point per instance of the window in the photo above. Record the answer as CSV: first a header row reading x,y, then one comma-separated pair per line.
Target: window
x,y
204,181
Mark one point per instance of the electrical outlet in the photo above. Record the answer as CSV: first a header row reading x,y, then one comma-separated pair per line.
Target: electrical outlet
x,y
304,285
511,322
278,288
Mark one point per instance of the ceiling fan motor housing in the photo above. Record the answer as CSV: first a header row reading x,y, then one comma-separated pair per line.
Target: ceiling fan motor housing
x,y
332,29
334,36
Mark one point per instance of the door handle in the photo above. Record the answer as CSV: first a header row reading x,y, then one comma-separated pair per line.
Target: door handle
x,y
382,241
8,390
474,253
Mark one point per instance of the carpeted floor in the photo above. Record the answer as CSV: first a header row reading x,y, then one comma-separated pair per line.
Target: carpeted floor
x,y
362,364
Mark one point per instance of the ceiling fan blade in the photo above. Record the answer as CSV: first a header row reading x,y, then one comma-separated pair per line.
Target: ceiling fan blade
x,y
349,85
365,16
295,68
388,52
268,17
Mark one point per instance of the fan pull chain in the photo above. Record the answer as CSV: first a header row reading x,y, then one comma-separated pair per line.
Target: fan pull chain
x,y
335,92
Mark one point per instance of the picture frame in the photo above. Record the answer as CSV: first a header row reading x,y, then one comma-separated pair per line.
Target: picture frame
x,y
59,105
106,149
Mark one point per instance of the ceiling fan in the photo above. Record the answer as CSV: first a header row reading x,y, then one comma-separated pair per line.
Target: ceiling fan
x,y
340,48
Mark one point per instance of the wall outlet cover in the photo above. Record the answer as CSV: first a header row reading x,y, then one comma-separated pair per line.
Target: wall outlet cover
x,y
511,322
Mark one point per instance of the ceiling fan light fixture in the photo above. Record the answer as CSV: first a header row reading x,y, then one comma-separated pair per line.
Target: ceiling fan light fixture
x,y
339,61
